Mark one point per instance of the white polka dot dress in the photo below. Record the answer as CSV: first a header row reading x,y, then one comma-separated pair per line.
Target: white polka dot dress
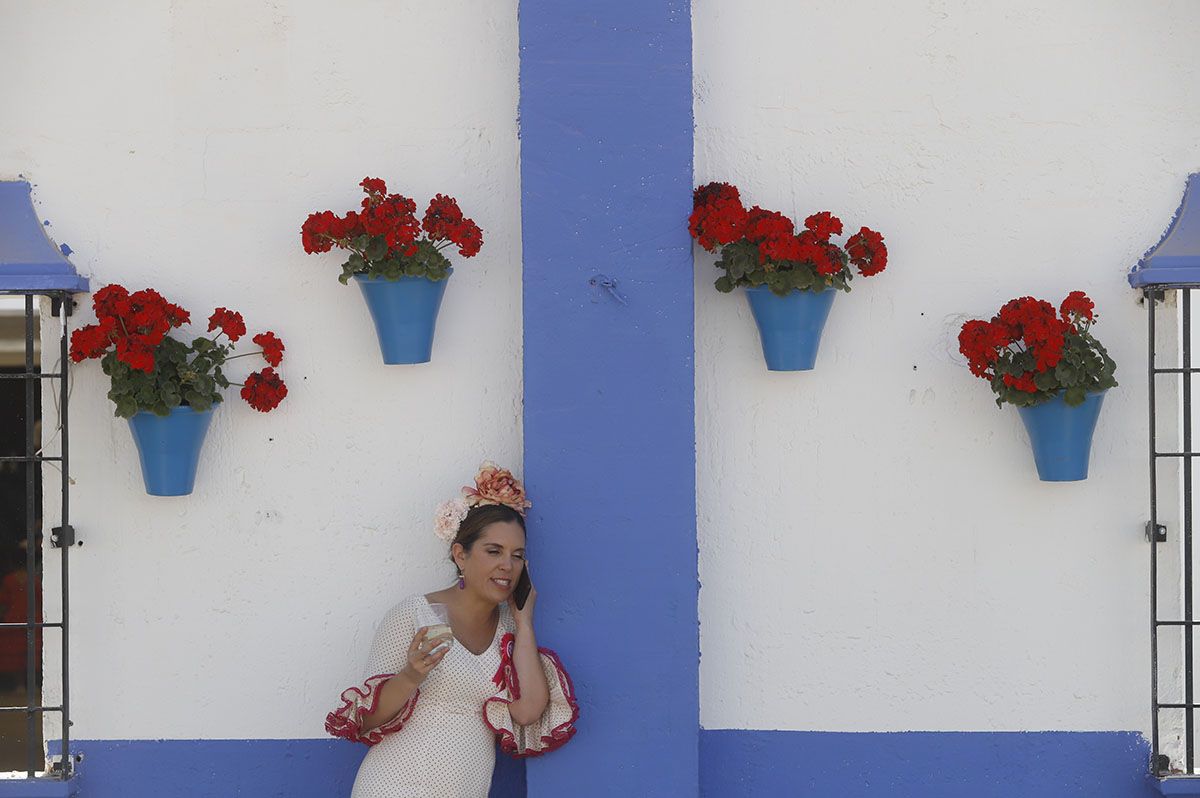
x,y
442,742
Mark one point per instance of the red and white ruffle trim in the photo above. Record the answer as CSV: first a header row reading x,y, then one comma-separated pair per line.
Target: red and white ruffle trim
x,y
557,724
346,721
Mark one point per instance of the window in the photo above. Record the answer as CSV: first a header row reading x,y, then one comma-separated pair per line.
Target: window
x,y
1169,276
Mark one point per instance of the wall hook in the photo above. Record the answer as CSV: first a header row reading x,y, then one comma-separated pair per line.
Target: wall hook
x,y
609,285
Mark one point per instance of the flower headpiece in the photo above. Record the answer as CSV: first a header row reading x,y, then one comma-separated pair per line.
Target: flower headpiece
x,y
493,485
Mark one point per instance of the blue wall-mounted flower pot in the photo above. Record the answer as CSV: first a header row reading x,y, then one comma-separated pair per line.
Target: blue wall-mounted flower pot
x,y
790,326
1061,436
169,448
405,314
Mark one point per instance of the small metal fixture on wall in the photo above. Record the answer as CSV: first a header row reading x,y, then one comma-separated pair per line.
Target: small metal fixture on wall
x,y
1173,265
32,266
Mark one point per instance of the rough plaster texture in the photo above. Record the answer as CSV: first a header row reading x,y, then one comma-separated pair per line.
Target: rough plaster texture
x,y
172,148
876,551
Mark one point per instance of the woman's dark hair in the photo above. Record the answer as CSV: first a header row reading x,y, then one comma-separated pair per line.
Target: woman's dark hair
x,y
479,518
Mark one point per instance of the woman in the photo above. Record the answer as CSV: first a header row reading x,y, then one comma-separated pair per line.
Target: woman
x,y
433,705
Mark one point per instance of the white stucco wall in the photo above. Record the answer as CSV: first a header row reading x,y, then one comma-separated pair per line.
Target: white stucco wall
x,y
181,145
876,551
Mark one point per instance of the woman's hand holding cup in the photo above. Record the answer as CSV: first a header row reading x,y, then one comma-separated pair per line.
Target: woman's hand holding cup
x,y
425,652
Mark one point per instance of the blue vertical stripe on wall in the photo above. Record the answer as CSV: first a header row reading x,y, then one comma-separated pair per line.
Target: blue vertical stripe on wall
x,y
606,177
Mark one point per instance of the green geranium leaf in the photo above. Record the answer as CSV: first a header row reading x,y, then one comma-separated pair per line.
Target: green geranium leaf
x,y
1045,381
377,249
126,407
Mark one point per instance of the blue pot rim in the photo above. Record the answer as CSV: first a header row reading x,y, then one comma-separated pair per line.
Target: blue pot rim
x,y
1062,397
758,289
362,278
180,409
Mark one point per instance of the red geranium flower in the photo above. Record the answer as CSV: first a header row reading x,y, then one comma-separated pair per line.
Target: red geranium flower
x,y
1035,322
442,215
719,221
264,390
709,192
1022,383
468,237
373,185
1077,303
823,225
780,248
393,218
92,340
111,301
229,321
1030,353
867,252
980,342
137,351
763,224
162,373
272,347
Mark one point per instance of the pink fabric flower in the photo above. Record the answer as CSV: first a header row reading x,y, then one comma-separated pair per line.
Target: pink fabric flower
x,y
448,516
496,485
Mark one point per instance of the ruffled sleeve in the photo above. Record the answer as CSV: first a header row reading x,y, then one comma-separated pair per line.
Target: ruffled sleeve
x,y
388,655
556,725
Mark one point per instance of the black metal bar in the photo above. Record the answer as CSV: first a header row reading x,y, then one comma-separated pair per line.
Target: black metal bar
x,y
31,710
30,544
65,521
64,536
36,458
1154,754
1189,729
21,375
1177,454
26,625
1175,371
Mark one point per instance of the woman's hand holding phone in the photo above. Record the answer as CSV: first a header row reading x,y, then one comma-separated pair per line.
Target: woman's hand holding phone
x,y
523,598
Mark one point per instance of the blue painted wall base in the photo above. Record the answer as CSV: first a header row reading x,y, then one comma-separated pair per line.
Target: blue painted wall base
x,y
1182,786
743,763
237,769
39,788
733,764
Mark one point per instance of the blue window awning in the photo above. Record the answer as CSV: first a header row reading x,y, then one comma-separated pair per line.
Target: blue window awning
x,y
30,263
1175,260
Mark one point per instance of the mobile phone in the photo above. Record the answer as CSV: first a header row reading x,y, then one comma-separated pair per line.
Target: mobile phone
x,y
521,593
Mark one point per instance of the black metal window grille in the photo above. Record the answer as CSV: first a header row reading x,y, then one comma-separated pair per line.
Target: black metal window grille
x,y
1172,591
62,538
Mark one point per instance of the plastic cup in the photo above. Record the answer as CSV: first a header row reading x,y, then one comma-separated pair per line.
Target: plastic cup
x,y
442,628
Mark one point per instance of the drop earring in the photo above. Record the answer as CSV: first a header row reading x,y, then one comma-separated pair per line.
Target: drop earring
x,y
462,583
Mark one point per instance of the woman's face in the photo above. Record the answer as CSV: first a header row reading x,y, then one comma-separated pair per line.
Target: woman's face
x,y
494,563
